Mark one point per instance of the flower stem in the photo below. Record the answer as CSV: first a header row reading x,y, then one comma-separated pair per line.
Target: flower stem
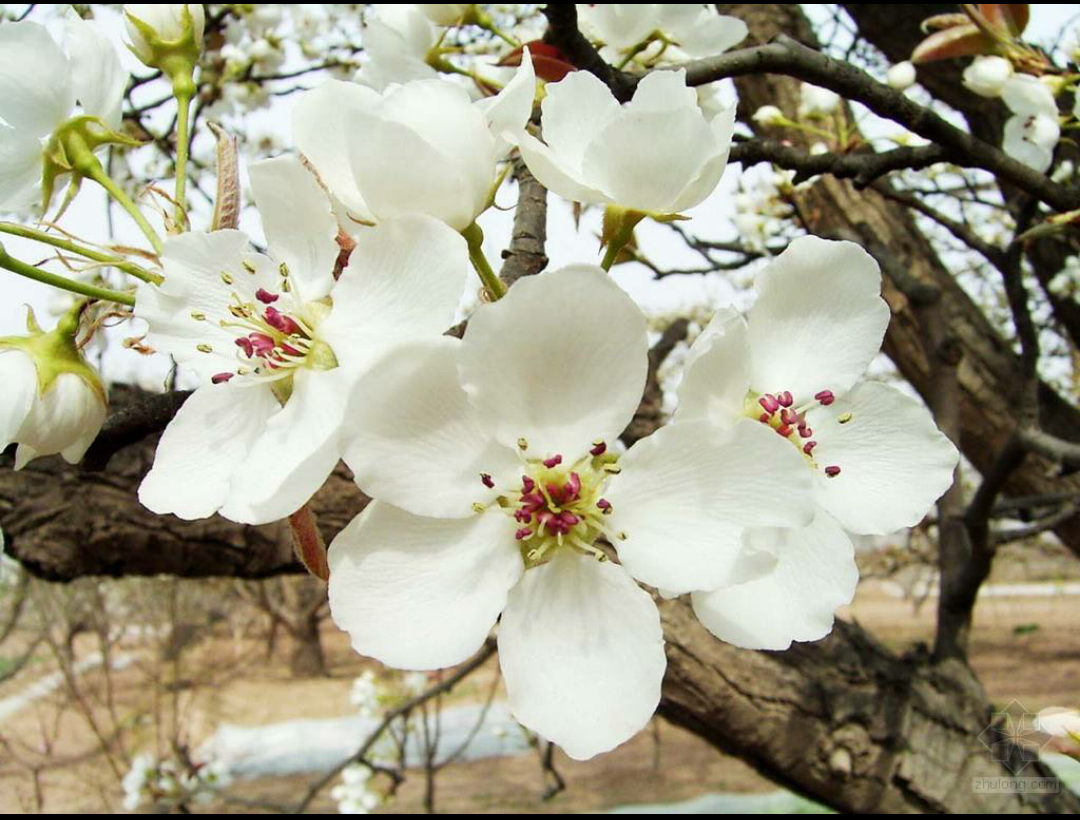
x,y
492,283
183,142
129,268
99,176
63,283
619,225
487,22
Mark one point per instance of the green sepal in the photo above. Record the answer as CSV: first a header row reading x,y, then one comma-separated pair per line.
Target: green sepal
x,y
176,58
56,353
70,150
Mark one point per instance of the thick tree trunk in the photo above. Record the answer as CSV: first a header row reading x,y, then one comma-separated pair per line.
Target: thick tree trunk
x,y
843,721
307,659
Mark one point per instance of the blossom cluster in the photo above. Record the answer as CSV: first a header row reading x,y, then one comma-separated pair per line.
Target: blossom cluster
x,y
502,496
171,783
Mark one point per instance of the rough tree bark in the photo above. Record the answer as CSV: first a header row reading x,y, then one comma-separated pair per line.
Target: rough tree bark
x,y
842,720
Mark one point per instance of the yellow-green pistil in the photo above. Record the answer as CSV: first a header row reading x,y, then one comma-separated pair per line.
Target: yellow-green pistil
x,y
560,504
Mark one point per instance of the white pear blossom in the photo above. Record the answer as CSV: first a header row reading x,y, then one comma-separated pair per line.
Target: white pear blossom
x,y
987,74
172,783
695,28
901,76
53,401
277,343
657,154
493,463
397,45
876,459
167,20
816,102
426,148
1033,131
366,695
353,795
41,89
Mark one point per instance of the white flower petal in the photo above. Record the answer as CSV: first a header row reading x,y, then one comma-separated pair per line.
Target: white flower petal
x,y
621,24
20,170
1031,139
402,174
819,318
574,112
323,133
20,379
1025,94
36,91
814,575
68,413
510,109
722,127
894,461
400,31
554,173
582,654
645,160
712,34
394,68
662,90
412,437
448,139
213,432
404,281
421,593
98,77
296,452
717,372
561,360
686,493
300,227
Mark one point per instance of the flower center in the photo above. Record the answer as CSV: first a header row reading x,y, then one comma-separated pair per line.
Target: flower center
x,y
559,504
272,341
777,410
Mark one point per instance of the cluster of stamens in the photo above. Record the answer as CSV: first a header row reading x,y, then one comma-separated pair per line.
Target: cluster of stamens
x,y
777,410
560,504
270,343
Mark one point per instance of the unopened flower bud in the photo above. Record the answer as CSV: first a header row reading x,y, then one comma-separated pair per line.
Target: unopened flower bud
x,y
53,400
901,76
167,36
986,75
768,115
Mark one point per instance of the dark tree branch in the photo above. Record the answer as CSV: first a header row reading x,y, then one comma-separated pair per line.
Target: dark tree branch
x,y
786,56
563,33
148,414
526,255
861,168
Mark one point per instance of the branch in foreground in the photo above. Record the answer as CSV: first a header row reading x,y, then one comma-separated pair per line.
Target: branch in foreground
x,y
788,57
526,255
861,168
